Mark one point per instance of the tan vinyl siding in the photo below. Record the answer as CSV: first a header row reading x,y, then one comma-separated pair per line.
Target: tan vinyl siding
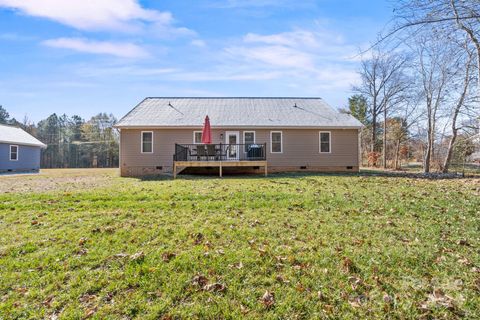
x,y
300,148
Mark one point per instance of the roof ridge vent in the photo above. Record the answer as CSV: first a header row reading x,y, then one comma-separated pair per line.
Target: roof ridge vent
x,y
171,106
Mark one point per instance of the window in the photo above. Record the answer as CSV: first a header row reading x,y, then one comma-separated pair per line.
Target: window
x,y
147,142
325,142
276,145
248,139
197,137
13,153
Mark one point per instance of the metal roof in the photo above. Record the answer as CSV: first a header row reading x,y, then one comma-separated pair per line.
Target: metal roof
x,y
236,112
14,135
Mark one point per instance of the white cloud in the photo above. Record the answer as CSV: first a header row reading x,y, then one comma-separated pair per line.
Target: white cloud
x,y
279,56
291,39
229,4
198,43
119,49
221,75
94,15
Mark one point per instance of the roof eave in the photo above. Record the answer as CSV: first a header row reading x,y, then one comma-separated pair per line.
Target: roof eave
x,y
41,145
234,126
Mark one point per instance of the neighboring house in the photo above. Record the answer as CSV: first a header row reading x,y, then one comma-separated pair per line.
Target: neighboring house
x,y
475,156
19,151
284,134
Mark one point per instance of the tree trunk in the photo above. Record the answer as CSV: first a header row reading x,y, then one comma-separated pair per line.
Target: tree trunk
x,y
466,83
374,125
428,153
448,157
384,147
397,155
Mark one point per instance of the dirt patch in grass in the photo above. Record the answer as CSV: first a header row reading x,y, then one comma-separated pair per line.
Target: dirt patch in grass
x,y
63,180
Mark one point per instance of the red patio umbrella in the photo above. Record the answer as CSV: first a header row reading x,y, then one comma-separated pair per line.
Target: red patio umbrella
x,y
206,132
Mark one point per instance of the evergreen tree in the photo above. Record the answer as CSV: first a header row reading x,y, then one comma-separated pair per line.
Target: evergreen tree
x,y
4,116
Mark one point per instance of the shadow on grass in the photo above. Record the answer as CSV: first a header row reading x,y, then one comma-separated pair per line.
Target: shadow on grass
x,y
293,175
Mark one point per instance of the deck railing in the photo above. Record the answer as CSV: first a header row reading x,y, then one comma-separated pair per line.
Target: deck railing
x,y
220,152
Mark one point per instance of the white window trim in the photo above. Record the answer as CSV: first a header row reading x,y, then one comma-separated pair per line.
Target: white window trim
x,y
13,145
194,132
281,141
141,143
254,138
329,141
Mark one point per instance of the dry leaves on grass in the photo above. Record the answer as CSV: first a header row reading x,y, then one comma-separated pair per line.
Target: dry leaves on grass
x,y
82,241
438,298
348,266
214,287
357,301
167,256
139,256
238,265
201,282
268,299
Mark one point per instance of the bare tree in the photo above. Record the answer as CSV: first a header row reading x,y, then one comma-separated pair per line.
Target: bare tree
x,y
463,95
382,83
453,18
435,70
471,27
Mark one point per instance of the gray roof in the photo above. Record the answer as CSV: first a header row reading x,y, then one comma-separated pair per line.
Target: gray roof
x,y
14,135
236,112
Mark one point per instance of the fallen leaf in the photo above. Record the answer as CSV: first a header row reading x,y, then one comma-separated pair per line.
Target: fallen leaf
x,y
281,279
438,297
238,265
387,299
82,252
89,313
477,284
268,299
199,280
82,241
197,238
320,296
48,302
214,287
328,308
139,256
167,256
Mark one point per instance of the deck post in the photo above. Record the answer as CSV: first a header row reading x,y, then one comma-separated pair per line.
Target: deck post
x,y
266,170
174,170
220,169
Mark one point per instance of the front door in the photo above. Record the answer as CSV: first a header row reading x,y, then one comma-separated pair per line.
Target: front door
x,y
233,149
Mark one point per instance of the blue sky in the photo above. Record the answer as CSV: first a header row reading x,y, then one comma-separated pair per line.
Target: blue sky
x,y
86,56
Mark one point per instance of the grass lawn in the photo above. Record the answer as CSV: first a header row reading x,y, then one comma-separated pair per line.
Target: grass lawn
x,y
86,243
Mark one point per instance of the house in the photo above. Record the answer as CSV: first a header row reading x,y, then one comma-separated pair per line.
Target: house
x,y
164,135
475,156
19,151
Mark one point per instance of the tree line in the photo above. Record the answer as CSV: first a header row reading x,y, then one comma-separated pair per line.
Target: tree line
x,y
73,142
419,89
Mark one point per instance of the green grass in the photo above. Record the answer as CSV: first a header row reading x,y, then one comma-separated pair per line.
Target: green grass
x,y
326,246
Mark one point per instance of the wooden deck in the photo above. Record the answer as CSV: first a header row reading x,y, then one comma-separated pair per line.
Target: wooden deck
x,y
220,164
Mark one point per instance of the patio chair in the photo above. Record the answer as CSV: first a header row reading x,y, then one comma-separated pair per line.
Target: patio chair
x,y
211,152
201,152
